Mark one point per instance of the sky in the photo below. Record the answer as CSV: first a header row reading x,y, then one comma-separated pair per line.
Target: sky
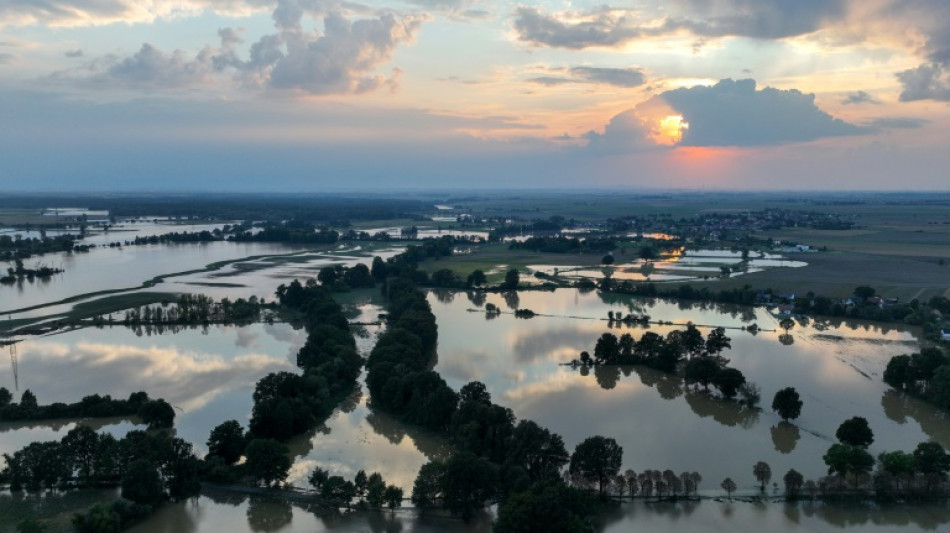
x,y
325,95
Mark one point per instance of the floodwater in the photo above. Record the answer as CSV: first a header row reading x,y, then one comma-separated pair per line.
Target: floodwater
x,y
836,368
209,374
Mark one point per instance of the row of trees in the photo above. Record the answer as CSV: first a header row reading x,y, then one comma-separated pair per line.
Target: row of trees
x,y
369,490
155,413
287,404
192,309
150,468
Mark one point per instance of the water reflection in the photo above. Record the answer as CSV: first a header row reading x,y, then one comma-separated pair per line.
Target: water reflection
x,y
476,297
268,515
727,412
785,436
899,407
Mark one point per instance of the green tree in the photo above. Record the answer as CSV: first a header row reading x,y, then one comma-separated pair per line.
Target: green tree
x,y
267,461
538,451
393,497
28,400
81,446
786,324
864,292
899,373
898,464
227,442
763,473
337,490
728,381
5,397
729,486
794,482
596,460
607,260
476,278
545,507
511,279
361,482
427,488
931,458
787,403
142,484
855,432
607,348
319,476
701,370
717,341
467,484
157,414
848,460
375,490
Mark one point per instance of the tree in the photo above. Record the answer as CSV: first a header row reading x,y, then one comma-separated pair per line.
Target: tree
x,y
28,400
227,442
5,397
157,414
898,464
607,260
864,292
427,488
701,370
319,476
728,381
142,484
787,403
511,279
763,473
545,507
476,278
361,482
607,348
855,432
596,459
794,482
267,461
931,458
393,497
337,490
786,324
899,373
729,486
467,484
848,460
717,341
375,490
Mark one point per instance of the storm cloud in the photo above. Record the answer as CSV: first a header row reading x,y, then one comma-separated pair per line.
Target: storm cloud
x,y
734,113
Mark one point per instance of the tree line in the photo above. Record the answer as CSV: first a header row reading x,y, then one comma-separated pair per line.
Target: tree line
x,y
155,413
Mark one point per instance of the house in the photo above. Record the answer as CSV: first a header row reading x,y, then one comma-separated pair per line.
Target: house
x,y
785,309
945,334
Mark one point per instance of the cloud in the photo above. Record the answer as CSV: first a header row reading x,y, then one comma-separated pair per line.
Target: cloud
x,y
608,26
575,30
618,77
760,19
78,13
626,132
926,82
859,97
729,113
734,113
7,59
73,53
340,59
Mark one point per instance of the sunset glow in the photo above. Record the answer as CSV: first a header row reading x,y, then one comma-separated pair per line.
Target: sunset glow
x,y
413,93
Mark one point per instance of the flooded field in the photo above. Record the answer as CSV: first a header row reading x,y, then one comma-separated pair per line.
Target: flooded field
x,y
209,374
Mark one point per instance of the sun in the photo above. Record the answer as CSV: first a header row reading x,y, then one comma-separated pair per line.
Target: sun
x,y
670,130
